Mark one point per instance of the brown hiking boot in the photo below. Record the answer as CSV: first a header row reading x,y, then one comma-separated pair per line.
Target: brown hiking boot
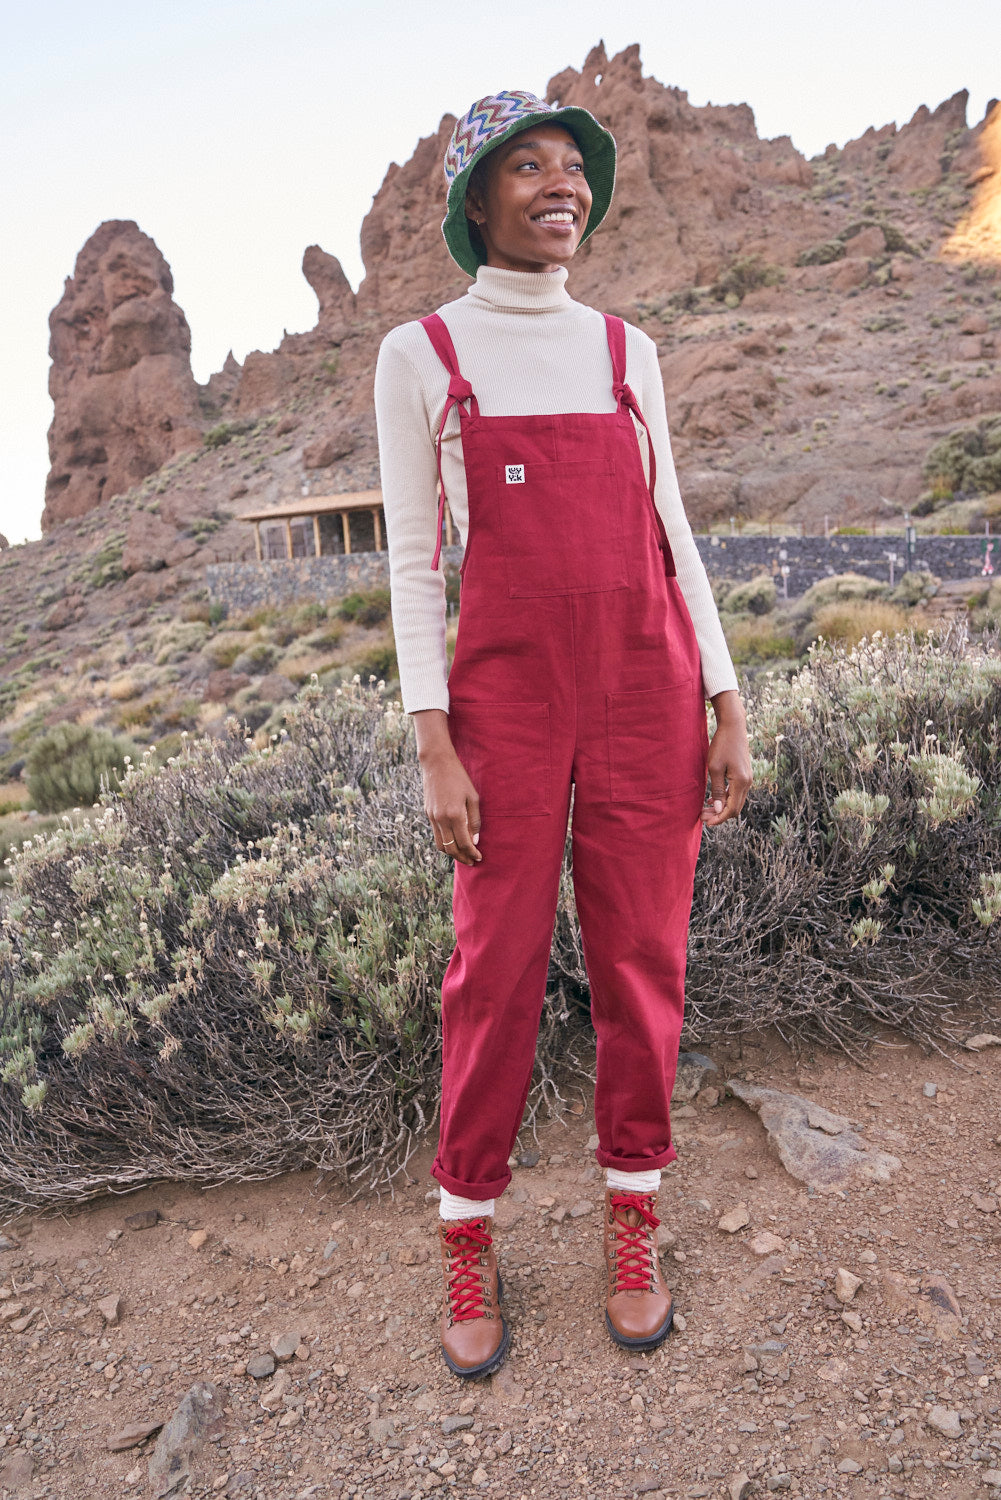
x,y
474,1335
639,1309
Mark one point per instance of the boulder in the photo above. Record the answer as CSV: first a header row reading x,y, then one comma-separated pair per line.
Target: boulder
x,y
184,1454
813,1144
121,384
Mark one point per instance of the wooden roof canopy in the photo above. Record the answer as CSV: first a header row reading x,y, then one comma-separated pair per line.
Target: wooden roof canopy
x,y
324,540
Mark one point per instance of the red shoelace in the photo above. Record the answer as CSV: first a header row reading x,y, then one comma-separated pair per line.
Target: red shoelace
x,y
633,1262
466,1239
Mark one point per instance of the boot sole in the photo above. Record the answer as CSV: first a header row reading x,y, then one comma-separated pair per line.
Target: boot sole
x,y
652,1341
477,1372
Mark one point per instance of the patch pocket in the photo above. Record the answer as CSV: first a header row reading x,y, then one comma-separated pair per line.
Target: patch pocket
x,y
505,750
657,743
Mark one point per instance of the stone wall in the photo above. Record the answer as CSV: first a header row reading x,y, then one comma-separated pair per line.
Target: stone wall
x,y
245,586
810,558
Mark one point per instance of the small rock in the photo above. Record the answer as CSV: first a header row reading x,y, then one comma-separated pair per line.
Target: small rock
x,y
355,1290
110,1308
666,1238
708,1097
580,1208
11,1310
6,1244
734,1219
945,1421
990,1476
455,1424
853,1320
275,1394
983,1039
529,1158
21,1325
739,1487
849,1466
680,1322
846,1285
592,1143
467,1405
221,1480
132,1436
133,1477
114,1234
984,1205
480,1476
766,1243
929,1090
180,1454
750,1173
779,1482
330,1249
290,1418
826,1154
198,1239
691,1075
380,1430
285,1345
260,1366
146,1218
16,1471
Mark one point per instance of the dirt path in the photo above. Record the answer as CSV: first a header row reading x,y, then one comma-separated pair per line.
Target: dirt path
x,y
767,1374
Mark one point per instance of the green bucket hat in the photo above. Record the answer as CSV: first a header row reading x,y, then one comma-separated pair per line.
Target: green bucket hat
x,y
494,120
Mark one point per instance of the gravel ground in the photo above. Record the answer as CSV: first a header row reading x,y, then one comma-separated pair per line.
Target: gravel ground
x,y
779,1376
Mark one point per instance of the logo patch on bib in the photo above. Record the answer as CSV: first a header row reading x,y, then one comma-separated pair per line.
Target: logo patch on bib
x,y
515,473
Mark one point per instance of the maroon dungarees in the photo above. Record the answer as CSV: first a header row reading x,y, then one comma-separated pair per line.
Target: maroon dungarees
x,y
576,669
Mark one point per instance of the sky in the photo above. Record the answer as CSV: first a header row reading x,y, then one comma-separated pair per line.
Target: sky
x,y
236,134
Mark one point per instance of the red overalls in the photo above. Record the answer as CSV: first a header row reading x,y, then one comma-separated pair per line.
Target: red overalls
x,y
576,667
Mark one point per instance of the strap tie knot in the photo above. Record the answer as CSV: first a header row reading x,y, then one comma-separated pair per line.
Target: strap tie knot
x,y
459,389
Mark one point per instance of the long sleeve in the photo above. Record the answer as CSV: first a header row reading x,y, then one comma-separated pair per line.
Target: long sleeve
x,y
718,673
410,500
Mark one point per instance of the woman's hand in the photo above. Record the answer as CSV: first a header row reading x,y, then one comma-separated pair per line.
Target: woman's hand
x,y
729,761
450,799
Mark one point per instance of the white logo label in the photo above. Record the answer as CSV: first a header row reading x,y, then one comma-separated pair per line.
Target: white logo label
x,y
516,473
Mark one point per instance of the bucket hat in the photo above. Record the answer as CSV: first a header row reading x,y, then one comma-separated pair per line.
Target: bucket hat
x,y
495,119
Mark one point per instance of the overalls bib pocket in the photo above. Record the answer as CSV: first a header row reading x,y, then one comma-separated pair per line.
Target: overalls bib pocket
x,y
505,750
550,515
657,743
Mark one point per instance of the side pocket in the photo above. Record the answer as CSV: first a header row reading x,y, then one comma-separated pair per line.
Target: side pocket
x,y
657,743
505,750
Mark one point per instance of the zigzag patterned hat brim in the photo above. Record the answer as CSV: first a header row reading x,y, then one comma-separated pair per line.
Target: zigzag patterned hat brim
x,y
493,120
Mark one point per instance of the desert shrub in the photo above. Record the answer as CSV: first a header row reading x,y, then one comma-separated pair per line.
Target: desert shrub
x,y
757,596
258,657
379,661
914,588
822,254
67,765
848,621
105,565
16,828
968,460
754,640
365,608
223,649
234,968
179,639
743,276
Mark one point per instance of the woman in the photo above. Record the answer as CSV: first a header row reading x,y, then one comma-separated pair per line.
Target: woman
x,y
587,643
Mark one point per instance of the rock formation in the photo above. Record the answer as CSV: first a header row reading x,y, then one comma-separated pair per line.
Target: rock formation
x,y
125,399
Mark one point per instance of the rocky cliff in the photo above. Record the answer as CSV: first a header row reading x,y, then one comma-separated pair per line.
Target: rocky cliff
x,y
819,322
125,399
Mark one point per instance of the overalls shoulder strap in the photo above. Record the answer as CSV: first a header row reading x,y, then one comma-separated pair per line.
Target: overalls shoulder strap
x,y
615,331
459,391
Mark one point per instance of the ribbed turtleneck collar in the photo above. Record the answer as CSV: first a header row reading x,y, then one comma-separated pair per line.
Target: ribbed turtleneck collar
x,y
521,291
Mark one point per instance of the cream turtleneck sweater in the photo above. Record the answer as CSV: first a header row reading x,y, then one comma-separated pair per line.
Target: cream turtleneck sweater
x,y
527,348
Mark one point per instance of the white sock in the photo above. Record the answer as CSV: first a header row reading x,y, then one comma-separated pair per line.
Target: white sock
x,y
451,1206
633,1182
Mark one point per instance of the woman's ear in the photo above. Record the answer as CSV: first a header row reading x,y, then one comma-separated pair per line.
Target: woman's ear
x,y
474,208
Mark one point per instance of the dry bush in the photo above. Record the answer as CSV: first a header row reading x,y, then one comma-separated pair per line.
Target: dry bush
x,y
849,621
755,639
234,970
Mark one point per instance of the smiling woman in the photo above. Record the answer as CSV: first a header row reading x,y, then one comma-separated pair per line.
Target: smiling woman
x,y
588,641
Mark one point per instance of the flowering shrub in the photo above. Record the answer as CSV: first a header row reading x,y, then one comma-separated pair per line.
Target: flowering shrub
x,y
234,968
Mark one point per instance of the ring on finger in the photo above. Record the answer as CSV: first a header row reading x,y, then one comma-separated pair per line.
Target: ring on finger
x,y
446,842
